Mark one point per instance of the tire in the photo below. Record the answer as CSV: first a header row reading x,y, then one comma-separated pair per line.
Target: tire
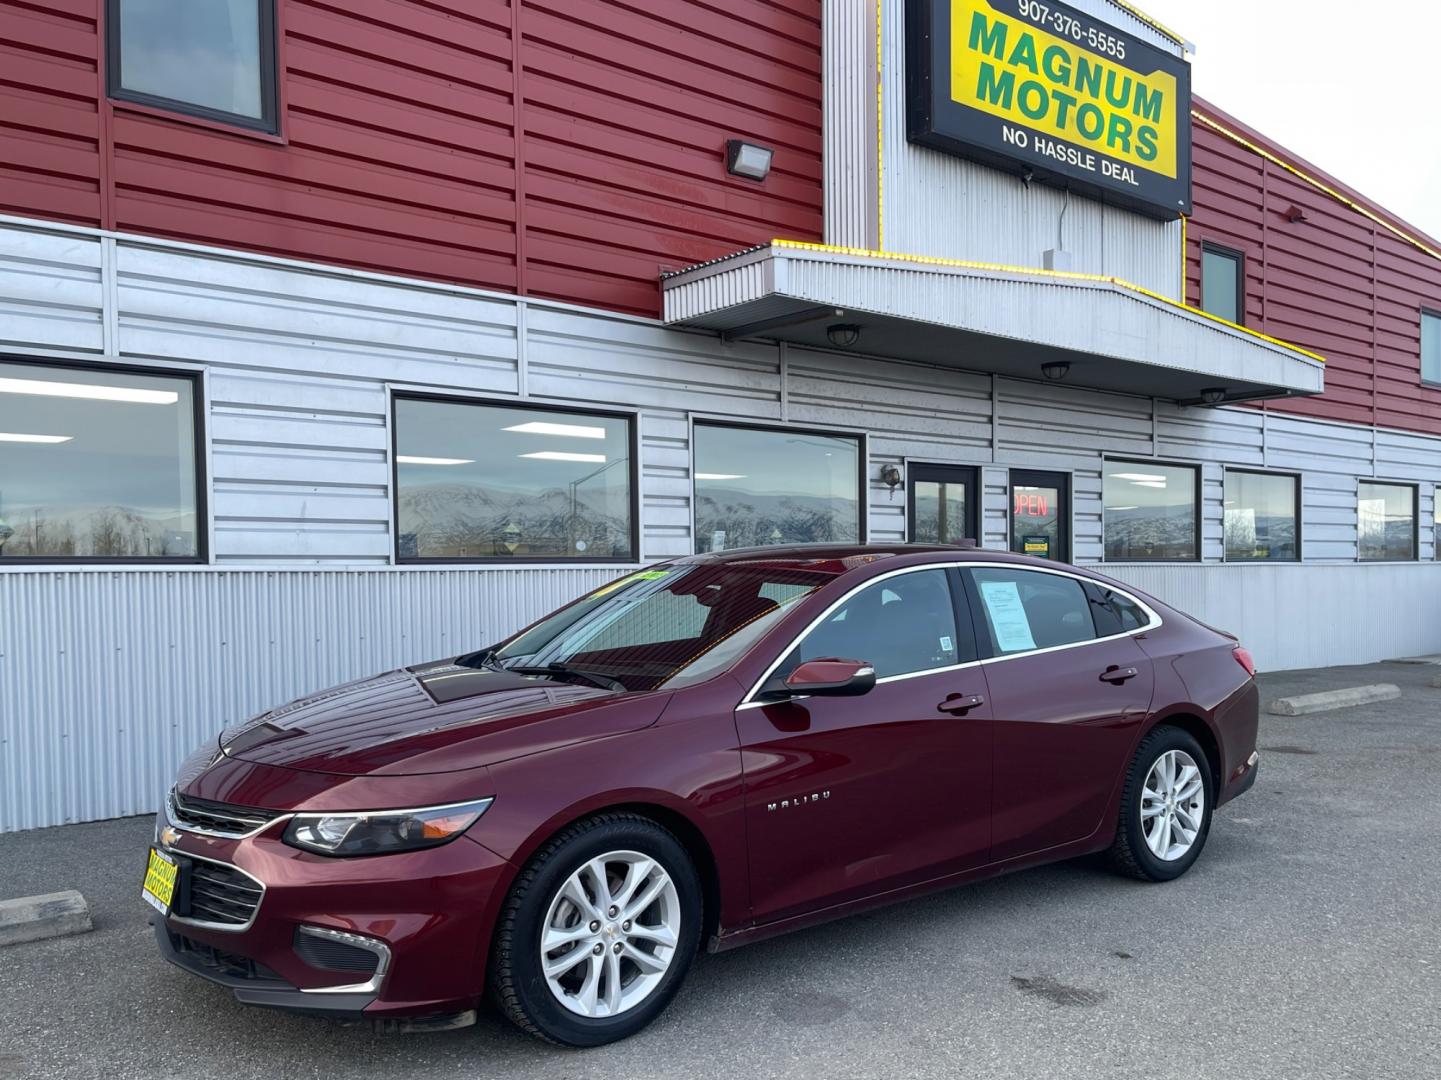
x,y
587,1004
1134,851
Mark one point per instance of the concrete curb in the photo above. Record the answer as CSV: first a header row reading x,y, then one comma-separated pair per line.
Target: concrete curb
x,y
1333,699
34,918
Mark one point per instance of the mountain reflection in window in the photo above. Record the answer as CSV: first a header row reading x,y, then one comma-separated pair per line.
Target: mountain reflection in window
x,y
758,487
476,481
96,463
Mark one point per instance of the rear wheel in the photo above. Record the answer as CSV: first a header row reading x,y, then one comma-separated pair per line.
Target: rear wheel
x,y
1165,807
598,931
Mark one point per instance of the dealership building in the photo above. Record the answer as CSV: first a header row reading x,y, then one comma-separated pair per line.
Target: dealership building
x,y
337,337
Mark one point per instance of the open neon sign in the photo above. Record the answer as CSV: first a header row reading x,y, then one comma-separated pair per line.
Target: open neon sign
x,y
1032,504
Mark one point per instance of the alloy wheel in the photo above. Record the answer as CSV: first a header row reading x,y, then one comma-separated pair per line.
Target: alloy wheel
x,y
610,934
1173,805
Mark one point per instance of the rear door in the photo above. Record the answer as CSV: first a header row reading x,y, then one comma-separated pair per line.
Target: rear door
x,y
1066,702
850,796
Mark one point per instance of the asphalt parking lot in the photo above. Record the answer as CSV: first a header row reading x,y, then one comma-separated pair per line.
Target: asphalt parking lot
x,y
1305,943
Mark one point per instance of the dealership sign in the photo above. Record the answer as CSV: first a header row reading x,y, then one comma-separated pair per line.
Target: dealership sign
x,y
1044,90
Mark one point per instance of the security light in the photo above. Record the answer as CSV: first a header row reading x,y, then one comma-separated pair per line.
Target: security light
x,y
1213,395
750,160
1056,370
843,335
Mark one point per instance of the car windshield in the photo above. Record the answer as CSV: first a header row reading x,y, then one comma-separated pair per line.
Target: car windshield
x,y
669,626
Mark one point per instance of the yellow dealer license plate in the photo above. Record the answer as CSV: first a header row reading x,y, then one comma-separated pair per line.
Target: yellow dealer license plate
x,y
159,888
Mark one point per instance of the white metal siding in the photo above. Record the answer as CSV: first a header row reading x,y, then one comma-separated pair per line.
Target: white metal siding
x,y
108,676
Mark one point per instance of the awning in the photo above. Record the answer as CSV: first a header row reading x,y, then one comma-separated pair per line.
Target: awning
x,y
980,317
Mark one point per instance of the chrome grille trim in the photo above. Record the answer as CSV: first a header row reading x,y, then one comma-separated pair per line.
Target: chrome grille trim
x,y
218,819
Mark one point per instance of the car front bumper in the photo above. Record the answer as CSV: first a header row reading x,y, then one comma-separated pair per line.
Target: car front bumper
x,y
421,919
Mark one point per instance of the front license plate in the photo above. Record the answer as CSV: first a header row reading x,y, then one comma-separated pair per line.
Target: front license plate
x,y
159,888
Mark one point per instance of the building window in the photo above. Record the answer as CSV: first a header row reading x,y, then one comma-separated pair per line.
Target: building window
x,y
1262,517
1431,347
98,464
1151,511
1041,514
756,487
209,58
1436,521
1385,521
475,481
1223,283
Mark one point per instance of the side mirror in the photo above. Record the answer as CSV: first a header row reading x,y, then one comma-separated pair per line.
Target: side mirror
x,y
831,677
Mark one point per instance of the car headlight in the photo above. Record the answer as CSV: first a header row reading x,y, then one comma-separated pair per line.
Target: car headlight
x,y
382,832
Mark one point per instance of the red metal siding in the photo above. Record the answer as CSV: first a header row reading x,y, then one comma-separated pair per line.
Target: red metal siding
x,y
1337,282
399,148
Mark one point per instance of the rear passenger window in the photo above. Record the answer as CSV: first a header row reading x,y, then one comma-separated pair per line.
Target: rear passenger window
x,y
1026,609
1114,613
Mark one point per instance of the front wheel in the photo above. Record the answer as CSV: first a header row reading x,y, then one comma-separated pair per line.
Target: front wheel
x,y
598,931
1165,807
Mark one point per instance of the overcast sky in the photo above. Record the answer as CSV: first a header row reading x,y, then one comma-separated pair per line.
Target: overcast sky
x,y
1351,87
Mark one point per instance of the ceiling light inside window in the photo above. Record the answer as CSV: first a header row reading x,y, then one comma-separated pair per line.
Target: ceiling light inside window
x,y
412,459
563,455
543,427
1139,477
10,436
719,476
46,388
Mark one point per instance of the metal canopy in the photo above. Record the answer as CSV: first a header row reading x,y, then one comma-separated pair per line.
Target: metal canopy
x,y
978,317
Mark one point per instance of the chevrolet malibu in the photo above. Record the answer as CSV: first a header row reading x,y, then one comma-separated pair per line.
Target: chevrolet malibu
x,y
698,755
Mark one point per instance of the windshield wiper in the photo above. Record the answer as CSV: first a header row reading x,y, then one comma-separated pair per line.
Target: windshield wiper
x,y
594,677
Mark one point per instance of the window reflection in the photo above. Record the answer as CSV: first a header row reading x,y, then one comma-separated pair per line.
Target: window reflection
x,y
199,52
96,464
1386,521
757,487
1260,517
480,481
1151,511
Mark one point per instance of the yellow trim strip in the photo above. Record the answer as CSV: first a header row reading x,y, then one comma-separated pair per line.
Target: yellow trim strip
x,y
1317,184
1154,24
1185,265
1065,275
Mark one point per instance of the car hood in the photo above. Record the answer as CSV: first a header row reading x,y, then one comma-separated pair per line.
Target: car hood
x,y
434,718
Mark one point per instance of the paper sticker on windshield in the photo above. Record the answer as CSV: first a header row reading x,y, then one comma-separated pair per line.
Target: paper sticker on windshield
x,y
1007,615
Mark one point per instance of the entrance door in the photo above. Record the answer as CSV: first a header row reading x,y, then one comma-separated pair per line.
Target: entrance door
x,y
1041,514
942,503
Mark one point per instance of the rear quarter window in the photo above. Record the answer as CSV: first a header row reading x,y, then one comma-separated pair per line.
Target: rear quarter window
x,y
1114,613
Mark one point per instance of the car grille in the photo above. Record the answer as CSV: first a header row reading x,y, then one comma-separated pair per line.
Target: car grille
x,y
222,895
329,955
212,959
220,818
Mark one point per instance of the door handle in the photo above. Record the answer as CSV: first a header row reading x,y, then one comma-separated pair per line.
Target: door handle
x,y
1117,675
959,704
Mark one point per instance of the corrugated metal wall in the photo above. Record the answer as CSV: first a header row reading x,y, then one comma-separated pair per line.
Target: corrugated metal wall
x,y
566,148
108,676
1335,282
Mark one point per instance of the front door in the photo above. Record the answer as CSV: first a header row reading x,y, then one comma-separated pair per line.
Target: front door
x,y
849,796
1066,706
1041,514
942,503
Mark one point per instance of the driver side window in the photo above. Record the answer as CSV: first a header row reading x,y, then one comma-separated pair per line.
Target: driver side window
x,y
901,625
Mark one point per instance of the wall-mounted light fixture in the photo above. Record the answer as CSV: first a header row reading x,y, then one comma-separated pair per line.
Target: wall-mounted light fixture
x,y
1213,395
750,160
891,476
1056,370
1295,215
843,335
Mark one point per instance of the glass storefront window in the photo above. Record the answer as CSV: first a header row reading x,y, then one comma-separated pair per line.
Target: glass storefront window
x,y
97,464
208,58
756,487
1151,511
477,481
1385,521
1261,517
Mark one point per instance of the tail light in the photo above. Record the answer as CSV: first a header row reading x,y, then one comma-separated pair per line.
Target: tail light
x,y
1243,657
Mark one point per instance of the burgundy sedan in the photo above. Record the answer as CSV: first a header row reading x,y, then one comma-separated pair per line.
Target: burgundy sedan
x,y
701,754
